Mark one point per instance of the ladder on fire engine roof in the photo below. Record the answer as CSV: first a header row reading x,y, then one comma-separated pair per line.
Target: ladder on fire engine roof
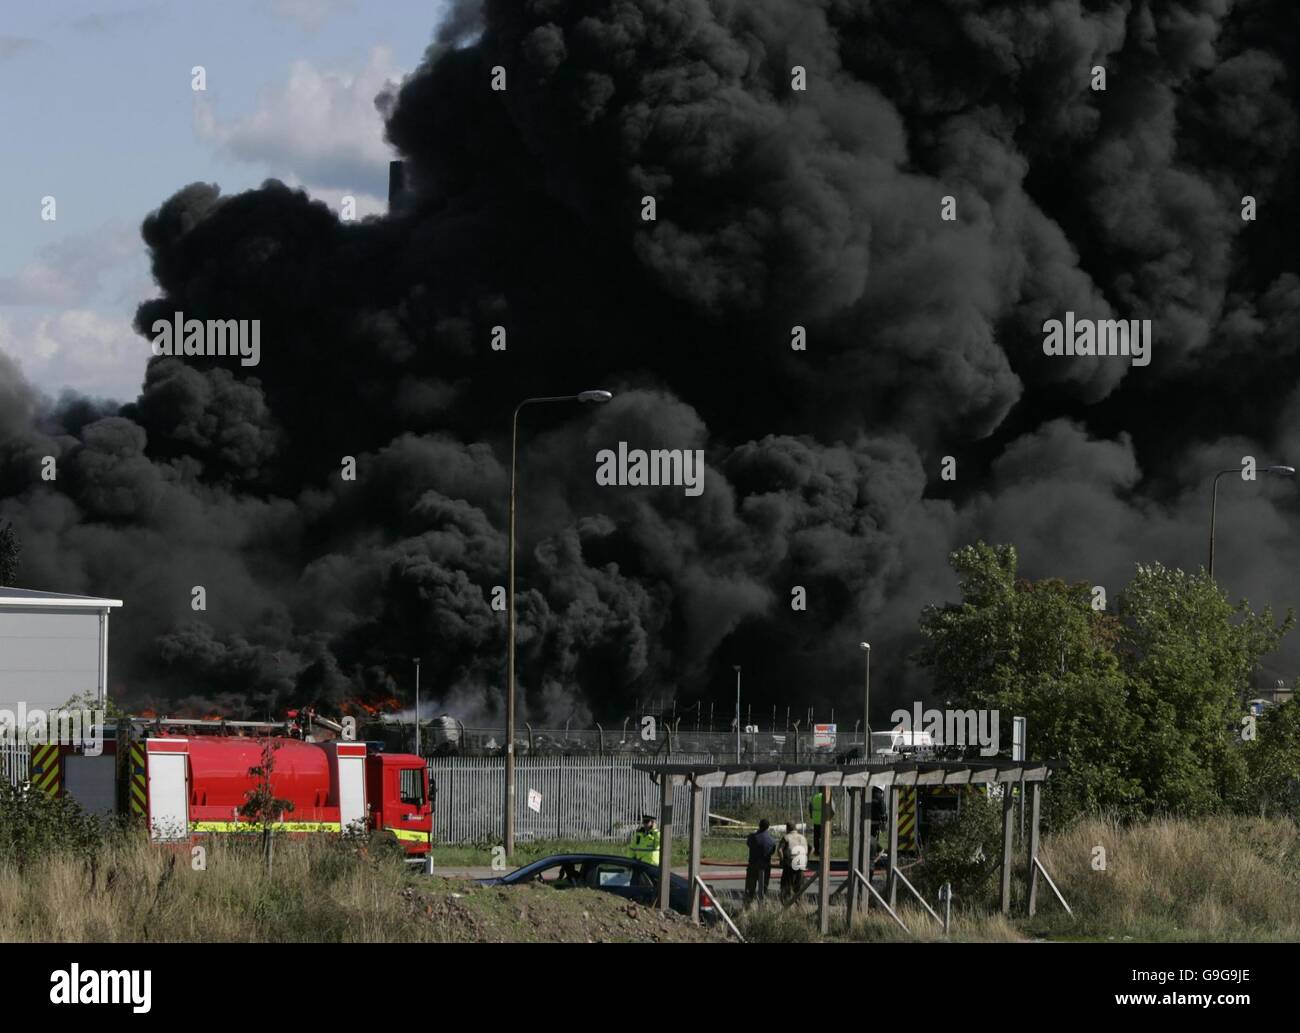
x,y
214,724
308,717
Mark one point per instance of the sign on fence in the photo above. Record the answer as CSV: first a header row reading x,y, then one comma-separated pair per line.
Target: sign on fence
x,y
823,735
535,801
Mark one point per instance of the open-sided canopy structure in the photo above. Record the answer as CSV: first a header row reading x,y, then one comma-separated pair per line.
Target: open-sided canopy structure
x,y
889,776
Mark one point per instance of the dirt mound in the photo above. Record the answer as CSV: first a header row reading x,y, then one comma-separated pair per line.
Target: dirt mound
x,y
461,912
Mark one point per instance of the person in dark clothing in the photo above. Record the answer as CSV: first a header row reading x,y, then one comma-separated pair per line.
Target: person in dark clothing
x,y
759,869
879,821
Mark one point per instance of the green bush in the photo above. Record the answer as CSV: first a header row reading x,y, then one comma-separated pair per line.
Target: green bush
x,y
964,852
33,825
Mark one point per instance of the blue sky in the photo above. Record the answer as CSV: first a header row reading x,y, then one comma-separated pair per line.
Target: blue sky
x,y
97,111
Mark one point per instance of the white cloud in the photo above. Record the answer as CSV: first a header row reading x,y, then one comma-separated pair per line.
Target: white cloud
x,y
94,352
73,271
321,126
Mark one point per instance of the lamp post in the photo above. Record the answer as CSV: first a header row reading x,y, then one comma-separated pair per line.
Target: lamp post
x,y
508,836
416,659
866,703
1276,471
736,668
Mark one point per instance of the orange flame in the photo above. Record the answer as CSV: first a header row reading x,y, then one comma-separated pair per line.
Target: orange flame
x,y
382,705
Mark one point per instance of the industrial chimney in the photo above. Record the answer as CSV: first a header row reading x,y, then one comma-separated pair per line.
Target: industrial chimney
x,y
396,186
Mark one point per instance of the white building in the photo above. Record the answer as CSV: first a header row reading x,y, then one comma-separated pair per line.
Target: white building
x,y
52,647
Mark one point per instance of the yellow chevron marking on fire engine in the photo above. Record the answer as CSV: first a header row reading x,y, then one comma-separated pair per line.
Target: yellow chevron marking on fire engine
x,y
44,768
139,795
410,835
278,826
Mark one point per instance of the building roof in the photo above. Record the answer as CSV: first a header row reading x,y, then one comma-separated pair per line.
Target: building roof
x,y
20,597
977,771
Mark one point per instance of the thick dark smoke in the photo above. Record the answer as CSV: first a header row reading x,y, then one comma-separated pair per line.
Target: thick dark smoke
x,y
775,207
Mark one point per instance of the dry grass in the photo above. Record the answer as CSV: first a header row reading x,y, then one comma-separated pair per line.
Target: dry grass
x,y
1215,879
319,890
1223,878
136,891
769,923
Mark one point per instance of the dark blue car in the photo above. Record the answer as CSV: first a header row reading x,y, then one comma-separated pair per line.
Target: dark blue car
x,y
622,876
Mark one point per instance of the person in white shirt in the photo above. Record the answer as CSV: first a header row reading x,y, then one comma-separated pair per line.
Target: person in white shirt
x,y
794,859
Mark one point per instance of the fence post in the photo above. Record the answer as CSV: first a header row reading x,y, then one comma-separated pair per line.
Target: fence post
x,y
609,828
1032,902
855,847
665,839
1008,830
451,803
696,832
894,794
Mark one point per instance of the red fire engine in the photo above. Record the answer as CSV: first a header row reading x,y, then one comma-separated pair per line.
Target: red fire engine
x,y
189,779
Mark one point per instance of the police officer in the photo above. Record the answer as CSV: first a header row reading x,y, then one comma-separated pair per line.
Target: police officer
x,y
815,806
646,840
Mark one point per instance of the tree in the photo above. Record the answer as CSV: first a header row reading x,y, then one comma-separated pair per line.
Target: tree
x,y
1273,762
89,700
1188,655
10,546
261,806
1144,708
1041,651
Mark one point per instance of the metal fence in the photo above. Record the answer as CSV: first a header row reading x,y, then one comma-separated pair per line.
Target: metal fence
x,y
600,798
14,760
565,797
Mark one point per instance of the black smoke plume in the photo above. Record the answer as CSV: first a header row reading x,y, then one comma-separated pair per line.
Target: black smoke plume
x,y
775,207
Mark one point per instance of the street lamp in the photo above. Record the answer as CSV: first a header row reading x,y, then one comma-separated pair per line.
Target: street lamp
x,y
736,668
416,659
1276,471
508,838
866,703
